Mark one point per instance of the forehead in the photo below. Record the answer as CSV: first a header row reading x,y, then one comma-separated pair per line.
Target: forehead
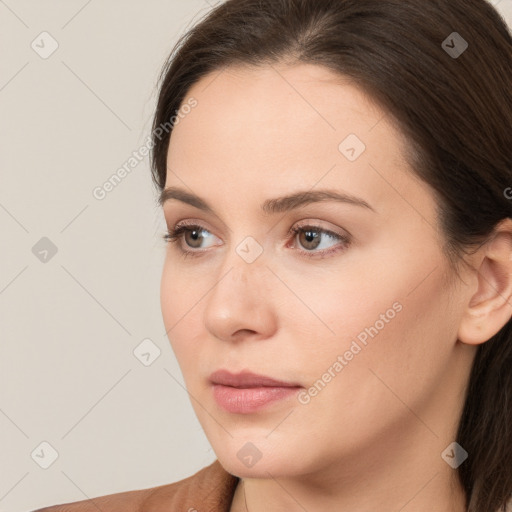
x,y
274,98
274,128
278,105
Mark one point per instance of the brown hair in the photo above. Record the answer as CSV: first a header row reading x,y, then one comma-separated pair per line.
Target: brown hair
x,y
456,114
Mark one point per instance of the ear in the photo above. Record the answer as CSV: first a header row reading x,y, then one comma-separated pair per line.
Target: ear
x,y
490,307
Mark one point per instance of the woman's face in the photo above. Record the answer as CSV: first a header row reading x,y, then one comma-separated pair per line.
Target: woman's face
x,y
360,320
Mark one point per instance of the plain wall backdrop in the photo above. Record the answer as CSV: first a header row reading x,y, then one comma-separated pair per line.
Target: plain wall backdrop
x,y
91,396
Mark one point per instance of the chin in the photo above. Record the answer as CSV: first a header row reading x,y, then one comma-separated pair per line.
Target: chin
x,y
261,469
257,459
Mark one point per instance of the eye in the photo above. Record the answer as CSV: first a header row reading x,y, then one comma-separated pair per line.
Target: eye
x,y
192,234
310,237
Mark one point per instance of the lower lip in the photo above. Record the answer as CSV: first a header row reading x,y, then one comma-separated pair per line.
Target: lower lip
x,y
248,400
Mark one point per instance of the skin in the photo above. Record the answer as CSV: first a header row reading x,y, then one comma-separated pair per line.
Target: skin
x,y
372,438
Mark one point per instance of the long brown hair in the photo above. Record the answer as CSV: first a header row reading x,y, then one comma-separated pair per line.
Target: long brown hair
x,y
454,105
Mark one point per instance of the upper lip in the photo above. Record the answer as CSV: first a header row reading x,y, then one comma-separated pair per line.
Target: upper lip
x,y
247,379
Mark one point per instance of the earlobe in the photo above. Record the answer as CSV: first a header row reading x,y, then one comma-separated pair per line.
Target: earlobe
x,y
490,307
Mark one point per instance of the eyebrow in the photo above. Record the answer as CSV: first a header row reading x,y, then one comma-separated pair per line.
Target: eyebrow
x,y
270,206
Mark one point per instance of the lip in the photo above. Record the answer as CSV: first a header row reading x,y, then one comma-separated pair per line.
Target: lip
x,y
247,379
248,392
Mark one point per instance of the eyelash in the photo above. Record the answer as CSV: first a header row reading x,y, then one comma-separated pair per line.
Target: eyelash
x,y
176,234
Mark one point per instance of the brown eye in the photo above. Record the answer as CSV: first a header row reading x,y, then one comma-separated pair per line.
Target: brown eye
x,y
310,239
195,237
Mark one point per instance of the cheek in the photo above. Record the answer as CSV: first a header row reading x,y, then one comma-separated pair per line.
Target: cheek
x,y
382,315
179,298
348,318
394,334
328,307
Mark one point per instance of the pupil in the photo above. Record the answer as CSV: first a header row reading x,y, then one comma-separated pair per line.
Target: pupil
x,y
309,234
194,235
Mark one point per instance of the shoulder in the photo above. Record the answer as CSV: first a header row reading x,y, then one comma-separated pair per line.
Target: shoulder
x,y
211,487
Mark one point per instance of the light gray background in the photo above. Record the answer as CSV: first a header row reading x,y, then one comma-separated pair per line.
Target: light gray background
x,y
70,325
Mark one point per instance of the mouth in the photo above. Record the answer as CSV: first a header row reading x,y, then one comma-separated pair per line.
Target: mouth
x,y
247,392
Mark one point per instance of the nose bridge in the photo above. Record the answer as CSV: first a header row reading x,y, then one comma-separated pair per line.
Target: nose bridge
x,y
239,301
244,269
250,251
245,262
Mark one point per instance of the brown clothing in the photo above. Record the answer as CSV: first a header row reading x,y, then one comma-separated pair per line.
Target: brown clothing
x,y
209,490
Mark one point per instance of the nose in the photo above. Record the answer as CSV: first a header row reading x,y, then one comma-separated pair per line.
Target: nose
x,y
240,304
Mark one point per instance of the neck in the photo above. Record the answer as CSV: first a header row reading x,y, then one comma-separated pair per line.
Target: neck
x,y
408,474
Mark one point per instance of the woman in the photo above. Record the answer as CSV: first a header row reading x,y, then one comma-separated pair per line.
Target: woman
x,y
337,287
